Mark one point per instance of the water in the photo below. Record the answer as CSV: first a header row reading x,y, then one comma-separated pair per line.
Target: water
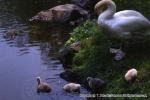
x,y
26,56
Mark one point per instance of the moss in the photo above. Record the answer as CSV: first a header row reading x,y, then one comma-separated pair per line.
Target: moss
x,y
83,32
95,60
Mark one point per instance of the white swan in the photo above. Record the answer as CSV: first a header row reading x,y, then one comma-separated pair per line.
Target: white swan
x,y
125,24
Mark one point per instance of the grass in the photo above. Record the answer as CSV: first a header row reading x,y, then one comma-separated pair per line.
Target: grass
x,y
95,60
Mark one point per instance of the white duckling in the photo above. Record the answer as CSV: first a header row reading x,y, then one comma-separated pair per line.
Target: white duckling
x,y
131,75
72,87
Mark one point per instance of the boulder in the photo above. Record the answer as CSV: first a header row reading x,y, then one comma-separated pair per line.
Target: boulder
x,y
66,54
67,13
69,75
87,4
76,46
66,57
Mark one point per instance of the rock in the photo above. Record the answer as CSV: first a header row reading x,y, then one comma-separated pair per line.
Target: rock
x,y
88,4
76,46
66,54
61,14
69,75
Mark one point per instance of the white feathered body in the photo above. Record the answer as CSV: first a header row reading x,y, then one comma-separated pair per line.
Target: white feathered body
x,y
72,87
124,24
131,74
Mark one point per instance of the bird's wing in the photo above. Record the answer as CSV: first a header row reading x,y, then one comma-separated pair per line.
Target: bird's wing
x,y
131,23
127,13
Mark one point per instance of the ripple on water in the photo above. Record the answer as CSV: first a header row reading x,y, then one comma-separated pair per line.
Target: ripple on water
x,y
23,59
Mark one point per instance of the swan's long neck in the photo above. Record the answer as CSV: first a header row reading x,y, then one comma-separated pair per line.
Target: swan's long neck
x,y
39,80
109,12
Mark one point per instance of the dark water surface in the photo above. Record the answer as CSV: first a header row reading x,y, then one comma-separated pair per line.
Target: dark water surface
x,y
26,56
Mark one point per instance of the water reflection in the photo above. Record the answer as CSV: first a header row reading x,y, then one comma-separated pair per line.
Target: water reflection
x,y
45,50
29,51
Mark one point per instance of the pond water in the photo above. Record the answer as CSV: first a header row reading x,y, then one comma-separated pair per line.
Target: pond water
x,y
25,56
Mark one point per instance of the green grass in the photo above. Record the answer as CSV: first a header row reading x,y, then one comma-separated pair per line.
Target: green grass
x,y
95,60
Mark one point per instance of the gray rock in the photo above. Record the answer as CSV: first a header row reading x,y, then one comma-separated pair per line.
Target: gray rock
x,y
88,4
66,54
66,57
61,14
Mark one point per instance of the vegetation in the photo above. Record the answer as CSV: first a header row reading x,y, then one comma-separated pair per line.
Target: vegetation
x,y
95,60
138,5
